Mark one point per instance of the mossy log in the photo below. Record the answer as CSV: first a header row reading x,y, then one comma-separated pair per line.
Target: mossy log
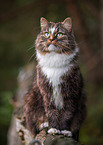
x,y
60,140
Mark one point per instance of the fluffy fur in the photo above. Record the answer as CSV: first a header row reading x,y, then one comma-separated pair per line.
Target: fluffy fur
x,y
54,66
57,96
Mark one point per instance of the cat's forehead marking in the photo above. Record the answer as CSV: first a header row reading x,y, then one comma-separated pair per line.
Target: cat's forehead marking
x,y
55,27
52,29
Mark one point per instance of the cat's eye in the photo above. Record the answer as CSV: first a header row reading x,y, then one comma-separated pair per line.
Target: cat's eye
x,y
46,34
59,35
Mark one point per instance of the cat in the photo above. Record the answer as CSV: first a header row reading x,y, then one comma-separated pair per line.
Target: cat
x,y
57,100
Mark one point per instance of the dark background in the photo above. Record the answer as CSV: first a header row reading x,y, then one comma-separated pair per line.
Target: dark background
x,y
19,26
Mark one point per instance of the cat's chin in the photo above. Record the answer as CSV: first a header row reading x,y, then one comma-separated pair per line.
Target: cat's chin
x,y
52,48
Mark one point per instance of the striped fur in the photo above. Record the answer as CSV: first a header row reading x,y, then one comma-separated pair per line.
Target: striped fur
x,y
57,97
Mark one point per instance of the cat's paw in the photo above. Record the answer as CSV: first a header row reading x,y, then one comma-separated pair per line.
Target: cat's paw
x,y
66,133
44,125
53,131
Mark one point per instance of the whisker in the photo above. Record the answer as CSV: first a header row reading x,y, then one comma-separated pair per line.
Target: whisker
x,y
31,57
70,44
43,48
63,50
64,46
30,48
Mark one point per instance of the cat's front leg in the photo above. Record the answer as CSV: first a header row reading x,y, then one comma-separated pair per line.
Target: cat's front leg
x,y
34,111
53,118
54,121
57,124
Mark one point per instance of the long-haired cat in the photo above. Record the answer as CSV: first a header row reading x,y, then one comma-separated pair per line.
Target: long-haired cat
x,y
57,99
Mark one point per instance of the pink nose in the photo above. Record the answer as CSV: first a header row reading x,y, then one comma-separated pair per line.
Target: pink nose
x,y
51,38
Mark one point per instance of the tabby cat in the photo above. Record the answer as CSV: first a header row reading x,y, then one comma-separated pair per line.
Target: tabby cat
x,y
57,100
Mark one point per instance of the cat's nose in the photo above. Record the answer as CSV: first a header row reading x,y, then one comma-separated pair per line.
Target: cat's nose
x,y
51,38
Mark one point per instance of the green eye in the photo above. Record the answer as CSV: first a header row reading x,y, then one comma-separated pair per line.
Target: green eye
x,y
59,35
46,34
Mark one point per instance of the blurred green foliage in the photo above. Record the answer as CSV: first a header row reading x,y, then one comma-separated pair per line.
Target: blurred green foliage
x,y
18,29
5,114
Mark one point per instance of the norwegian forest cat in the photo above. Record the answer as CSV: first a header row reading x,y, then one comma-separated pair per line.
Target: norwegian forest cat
x,y
57,99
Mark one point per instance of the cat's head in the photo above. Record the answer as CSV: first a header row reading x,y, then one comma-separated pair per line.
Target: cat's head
x,y
56,37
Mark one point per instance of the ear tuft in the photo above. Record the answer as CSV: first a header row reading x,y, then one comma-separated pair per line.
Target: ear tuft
x,y
67,23
43,22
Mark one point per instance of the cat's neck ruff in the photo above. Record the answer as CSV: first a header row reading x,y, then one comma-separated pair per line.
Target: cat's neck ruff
x,y
54,65
55,60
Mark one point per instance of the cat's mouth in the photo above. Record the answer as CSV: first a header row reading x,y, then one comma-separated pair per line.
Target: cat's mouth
x,y
52,47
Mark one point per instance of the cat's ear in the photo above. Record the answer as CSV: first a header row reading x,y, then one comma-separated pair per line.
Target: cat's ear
x,y
67,23
43,22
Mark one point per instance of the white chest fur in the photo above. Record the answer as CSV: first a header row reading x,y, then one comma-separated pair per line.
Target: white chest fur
x,y
54,66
